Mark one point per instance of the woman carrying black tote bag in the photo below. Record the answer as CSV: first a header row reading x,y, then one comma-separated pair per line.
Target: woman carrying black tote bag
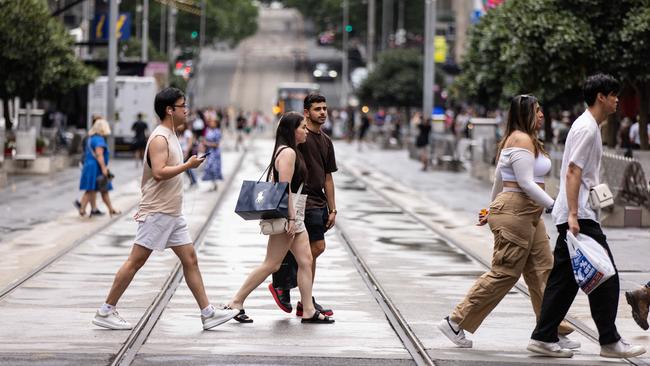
x,y
286,167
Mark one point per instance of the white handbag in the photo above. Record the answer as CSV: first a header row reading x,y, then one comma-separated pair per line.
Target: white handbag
x,y
273,226
277,226
600,196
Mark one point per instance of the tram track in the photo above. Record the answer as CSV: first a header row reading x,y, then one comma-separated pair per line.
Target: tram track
x,y
138,336
401,327
9,289
409,339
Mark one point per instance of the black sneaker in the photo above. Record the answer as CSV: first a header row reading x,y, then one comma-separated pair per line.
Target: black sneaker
x,y
96,212
282,298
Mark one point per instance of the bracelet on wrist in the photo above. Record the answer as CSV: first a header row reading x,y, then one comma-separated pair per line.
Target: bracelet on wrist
x,y
291,219
333,211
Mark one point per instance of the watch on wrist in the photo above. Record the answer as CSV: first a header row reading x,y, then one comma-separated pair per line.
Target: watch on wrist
x,y
333,211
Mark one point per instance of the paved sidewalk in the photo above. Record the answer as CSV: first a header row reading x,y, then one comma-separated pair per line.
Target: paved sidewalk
x,y
450,202
66,295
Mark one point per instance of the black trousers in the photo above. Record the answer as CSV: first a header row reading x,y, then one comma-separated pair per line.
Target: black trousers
x,y
287,276
561,290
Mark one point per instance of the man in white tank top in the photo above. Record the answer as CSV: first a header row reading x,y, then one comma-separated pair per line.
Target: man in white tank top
x,y
161,223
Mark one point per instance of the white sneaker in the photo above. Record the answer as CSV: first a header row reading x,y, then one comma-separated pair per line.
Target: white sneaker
x,y
112,320
218,317
621,349
550,349
566,342
455,335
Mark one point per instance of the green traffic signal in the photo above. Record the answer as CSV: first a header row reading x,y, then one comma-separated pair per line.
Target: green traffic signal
x,y
348,28
195,34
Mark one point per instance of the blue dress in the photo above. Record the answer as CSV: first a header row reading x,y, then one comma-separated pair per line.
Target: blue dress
x,y
212,170
91,169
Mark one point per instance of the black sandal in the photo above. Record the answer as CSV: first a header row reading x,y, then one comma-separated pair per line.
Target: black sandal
x,y
242,317
315,319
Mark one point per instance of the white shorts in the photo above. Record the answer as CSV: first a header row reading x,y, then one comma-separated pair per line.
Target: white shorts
x,y
159,231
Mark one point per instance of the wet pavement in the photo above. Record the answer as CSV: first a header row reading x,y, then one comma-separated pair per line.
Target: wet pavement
x,y
448,202
232,248
424,254
52,312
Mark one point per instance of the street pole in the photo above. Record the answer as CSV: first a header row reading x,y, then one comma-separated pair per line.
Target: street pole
x,y
371,35
171,32
429,69
145,31
344,68
386,22
112,71
202,27
163,27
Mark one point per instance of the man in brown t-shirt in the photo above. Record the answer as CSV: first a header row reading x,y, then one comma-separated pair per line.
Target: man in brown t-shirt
x,y
320,213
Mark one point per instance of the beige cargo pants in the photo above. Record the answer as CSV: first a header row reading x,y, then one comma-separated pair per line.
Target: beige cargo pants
x,y
521,246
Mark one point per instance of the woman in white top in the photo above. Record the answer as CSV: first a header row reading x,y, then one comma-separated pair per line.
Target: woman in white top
x,y
521,245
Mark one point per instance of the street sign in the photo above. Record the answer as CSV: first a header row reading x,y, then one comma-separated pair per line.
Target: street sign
x,y
440,49
100,26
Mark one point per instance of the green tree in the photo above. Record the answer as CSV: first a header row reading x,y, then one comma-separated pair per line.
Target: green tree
x,y
526,46
395,81
36,56
634,60
328,15
226,20
548,47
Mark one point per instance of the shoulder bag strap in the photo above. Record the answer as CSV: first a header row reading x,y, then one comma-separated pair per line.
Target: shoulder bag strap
x,y
272,165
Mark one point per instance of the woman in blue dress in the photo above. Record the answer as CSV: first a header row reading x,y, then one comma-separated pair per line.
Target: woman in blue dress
x,y
212,142
96,157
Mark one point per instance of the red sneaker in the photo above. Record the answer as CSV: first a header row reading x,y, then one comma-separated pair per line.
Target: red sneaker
x,y
282,298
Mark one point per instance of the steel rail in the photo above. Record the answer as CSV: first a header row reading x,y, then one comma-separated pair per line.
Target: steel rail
x,y
580,326
138,336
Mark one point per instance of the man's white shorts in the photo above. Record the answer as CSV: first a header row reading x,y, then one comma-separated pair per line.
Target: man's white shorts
x,y
159,231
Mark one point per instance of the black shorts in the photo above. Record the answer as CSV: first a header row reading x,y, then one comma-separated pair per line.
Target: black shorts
x,y
315,222
139,145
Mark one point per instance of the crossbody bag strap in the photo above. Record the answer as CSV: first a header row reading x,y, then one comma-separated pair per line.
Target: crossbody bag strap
x,y
272,165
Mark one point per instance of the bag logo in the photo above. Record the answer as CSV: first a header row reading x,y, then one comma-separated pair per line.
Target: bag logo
x,y
260,197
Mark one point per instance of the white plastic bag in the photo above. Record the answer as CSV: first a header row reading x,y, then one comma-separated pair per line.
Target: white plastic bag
x,y
590,262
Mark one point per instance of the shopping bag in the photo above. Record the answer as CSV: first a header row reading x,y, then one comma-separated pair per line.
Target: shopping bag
x,y
263,200
590,262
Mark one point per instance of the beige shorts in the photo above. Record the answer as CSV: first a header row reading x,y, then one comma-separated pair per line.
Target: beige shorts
x,y
159,231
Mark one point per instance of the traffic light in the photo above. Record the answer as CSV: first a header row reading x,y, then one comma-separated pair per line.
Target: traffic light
x,y
348,28
195,34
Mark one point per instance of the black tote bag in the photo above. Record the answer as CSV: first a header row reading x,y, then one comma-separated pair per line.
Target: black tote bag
x,y
263,200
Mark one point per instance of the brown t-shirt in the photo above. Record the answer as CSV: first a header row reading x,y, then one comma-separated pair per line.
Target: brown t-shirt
x,y
318,152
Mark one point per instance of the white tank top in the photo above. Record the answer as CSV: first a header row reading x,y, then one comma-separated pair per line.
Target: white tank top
x,y
165,196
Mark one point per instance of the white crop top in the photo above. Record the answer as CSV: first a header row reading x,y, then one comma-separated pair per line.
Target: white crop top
x,y
540,169
520,165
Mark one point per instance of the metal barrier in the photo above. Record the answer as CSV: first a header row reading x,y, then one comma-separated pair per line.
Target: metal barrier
x,y
443,152
626,179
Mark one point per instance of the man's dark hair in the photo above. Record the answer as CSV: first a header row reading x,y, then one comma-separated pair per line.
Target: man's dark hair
x,y
166,98
599,83
311,99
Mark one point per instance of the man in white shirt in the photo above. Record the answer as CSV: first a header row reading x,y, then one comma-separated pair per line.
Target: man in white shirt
x,y
635,135
571,212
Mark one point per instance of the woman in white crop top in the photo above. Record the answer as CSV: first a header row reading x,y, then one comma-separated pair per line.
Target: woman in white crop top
x,y
521,245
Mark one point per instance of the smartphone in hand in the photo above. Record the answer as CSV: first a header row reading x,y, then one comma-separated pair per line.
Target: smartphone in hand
x,y
204,155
